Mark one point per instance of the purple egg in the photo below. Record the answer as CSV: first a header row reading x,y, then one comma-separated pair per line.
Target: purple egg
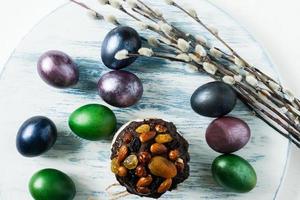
x,y
57,69
227,134
120,88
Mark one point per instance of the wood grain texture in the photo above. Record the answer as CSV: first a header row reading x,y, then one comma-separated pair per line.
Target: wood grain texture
x,y
168,87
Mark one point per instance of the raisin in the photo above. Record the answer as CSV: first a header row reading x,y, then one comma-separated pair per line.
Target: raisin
x,y
135,145
127,137
144,157
174,144
132,177
131,162
155,183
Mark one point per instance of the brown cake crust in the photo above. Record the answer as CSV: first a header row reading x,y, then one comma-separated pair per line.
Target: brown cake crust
x,y
160,140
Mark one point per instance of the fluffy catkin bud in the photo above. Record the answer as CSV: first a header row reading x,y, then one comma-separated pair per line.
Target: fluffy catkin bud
x,y
146,52
121,55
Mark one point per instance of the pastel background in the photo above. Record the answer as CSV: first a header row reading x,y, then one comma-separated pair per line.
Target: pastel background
x,y
274,23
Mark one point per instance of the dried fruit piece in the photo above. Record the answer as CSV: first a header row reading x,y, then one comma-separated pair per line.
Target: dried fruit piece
x,y
143,190
163,138
160,128
135,145
114,165
140,171
132,177
144,128
174,144
179,165
174,154
144,137
131,162
160,166
144,157
164,186
144,181
156,183
122,153
122,171
127,138
158,148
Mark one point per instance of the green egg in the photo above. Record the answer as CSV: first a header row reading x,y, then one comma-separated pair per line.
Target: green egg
x,y
51,184
234,173
93,122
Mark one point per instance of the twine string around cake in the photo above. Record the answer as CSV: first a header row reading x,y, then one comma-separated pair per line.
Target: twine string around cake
x,y
116,195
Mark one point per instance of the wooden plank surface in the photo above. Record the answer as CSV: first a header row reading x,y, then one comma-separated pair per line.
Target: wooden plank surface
x,y
168,87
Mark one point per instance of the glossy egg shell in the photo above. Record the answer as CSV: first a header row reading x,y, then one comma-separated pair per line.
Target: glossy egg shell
x,y
58,69
51,184
227,134
93,122
213,99
120,88
234,173
36,136
121,37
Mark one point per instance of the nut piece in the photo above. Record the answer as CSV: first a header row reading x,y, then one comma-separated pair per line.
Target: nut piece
x,y
131,162
174,154
140,171
122,171
143,190
160,166
144,128
144,181
163,138
144,157
127,138
144,137
158,148
122,153
164,186
114,165
179,165
160,128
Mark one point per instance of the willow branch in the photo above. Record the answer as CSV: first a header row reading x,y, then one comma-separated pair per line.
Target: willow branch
x,y
267,98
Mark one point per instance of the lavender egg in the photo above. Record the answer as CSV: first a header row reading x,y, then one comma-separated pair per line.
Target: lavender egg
x,y
227,134
57,69
120,88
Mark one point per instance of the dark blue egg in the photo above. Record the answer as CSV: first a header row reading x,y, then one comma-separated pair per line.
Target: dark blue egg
x,y
36,136
122,37
213,99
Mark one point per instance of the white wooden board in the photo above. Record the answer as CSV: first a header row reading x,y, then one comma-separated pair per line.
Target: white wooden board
x,y
168,88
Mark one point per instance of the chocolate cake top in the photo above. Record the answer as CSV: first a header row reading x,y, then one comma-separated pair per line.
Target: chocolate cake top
x,y
150,157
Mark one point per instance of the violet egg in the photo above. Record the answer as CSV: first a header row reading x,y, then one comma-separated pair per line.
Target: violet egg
x,y
227,134
120,88
120,38
57,69
213,99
